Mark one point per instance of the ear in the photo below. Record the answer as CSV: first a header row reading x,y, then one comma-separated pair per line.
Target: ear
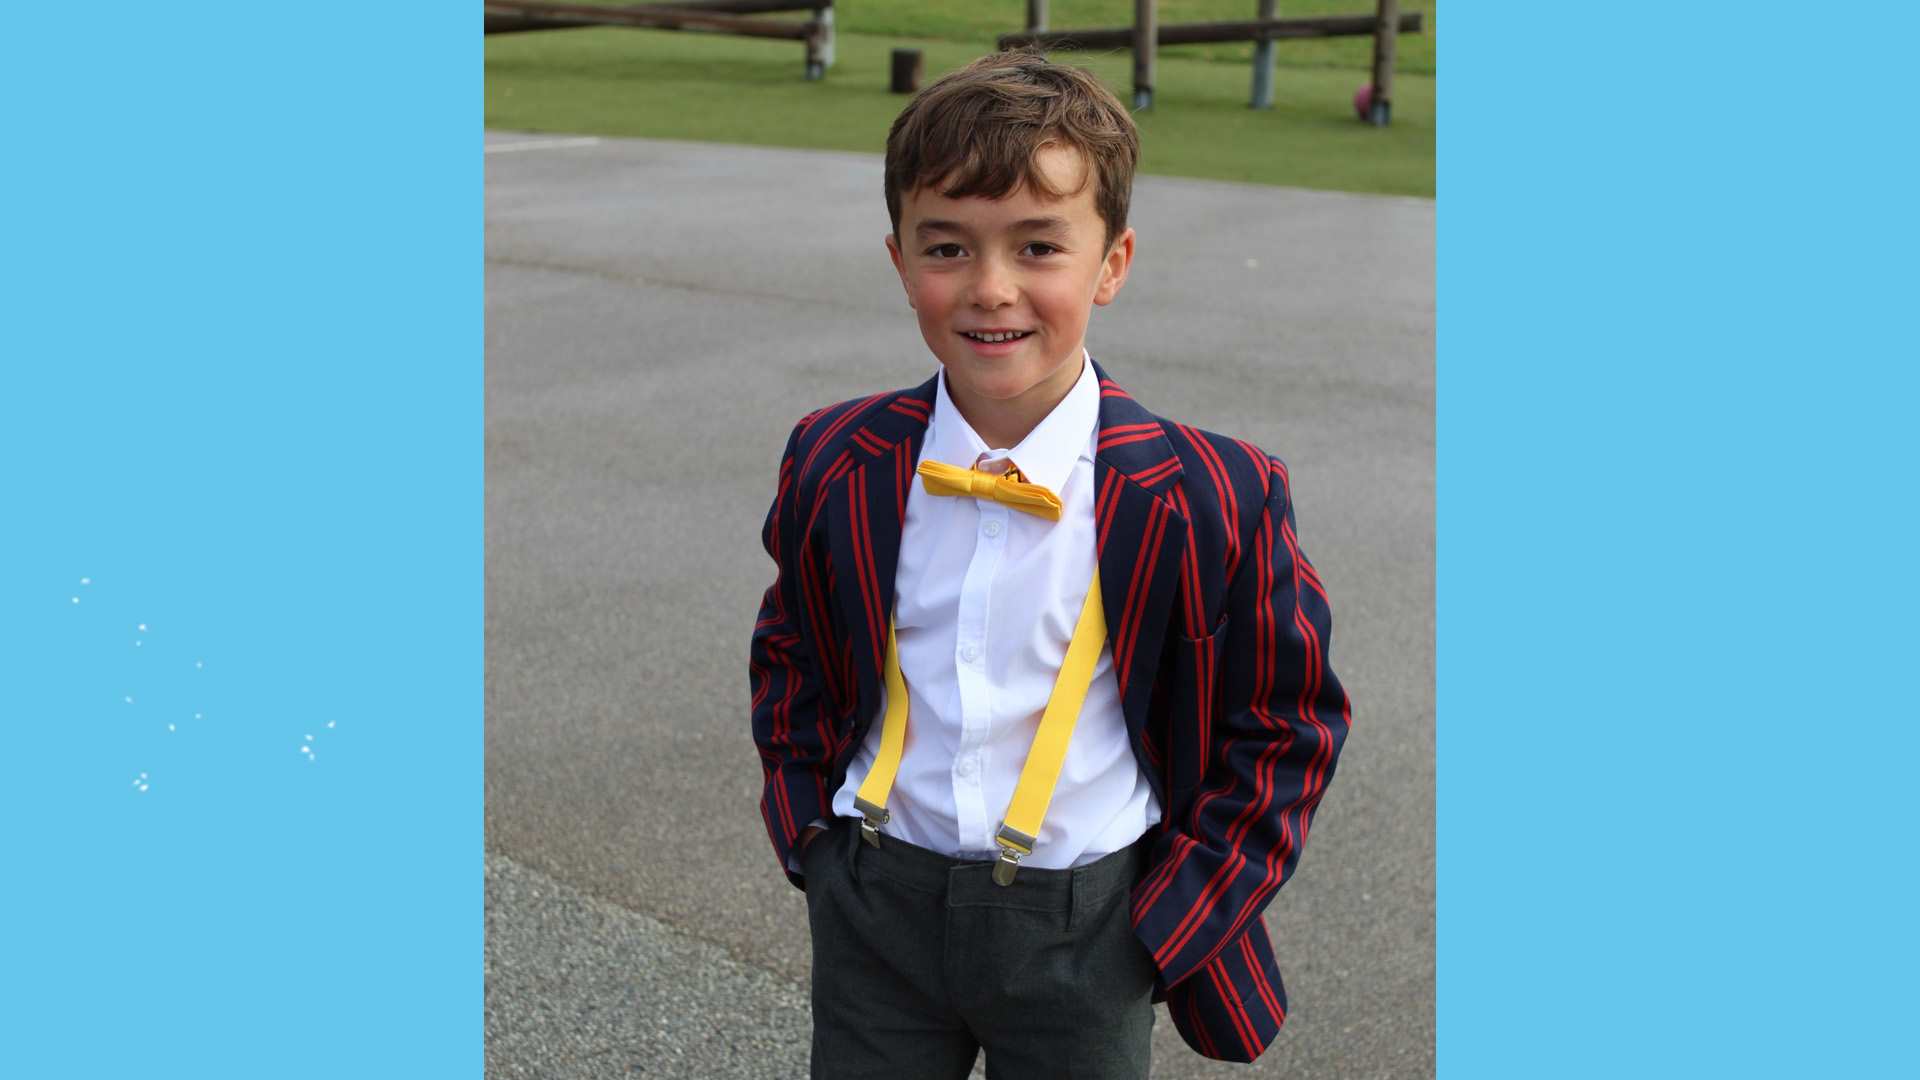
x,y
900,267
1113,273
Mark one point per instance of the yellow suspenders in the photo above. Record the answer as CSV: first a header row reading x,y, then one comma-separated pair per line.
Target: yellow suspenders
x,y
1021,827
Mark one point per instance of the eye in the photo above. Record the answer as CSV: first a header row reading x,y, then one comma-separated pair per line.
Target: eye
x,y
937,248
1050,249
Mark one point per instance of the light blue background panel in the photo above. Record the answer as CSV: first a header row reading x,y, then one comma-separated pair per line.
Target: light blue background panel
x,y
241,396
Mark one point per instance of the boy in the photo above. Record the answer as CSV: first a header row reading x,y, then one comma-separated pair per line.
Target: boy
x,y
1041,688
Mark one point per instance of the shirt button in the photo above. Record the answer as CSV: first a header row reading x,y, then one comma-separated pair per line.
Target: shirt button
x,y
970,652
966,767
991,528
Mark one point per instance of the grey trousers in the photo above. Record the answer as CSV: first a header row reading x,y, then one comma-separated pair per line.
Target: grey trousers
x,y
920,961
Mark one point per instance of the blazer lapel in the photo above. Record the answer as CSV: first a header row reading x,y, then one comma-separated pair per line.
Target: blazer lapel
x,y
1142,538
865,507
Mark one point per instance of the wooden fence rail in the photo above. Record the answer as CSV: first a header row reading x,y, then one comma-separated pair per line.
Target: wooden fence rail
x,y
1204,33
706,16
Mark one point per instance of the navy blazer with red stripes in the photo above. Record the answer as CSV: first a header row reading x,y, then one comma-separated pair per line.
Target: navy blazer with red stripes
x,y
1220,633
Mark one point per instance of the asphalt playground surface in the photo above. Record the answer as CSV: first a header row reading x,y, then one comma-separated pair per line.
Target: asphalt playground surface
x,y
658,314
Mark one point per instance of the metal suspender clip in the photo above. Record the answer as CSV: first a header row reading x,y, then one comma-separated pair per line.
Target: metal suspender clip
x,y
874,817
1013,844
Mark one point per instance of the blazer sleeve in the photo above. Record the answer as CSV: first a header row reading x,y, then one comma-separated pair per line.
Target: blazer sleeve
x,y
788,705
1278,729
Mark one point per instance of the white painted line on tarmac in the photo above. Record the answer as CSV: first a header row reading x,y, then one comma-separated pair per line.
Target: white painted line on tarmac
x,y
543,144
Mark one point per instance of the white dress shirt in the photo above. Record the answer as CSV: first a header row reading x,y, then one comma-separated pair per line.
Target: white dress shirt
x,y
985,602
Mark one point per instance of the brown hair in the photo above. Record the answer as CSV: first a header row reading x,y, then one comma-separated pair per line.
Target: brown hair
x,y
978,129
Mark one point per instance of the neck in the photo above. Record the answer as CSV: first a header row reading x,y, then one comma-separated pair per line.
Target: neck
x,y
1003,424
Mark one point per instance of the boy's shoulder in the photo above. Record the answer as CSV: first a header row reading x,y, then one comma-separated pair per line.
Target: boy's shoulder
x,y
1221,489
1222,462
1224,486
831,439
1218,472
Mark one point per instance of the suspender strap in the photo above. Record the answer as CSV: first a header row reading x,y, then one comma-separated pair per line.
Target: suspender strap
x,y
1031,797
1042,770
871,800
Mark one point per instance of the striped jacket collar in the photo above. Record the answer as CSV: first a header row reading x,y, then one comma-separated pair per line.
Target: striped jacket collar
x,y
1131,440
1142,534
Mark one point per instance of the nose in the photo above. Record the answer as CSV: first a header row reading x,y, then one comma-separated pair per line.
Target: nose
x,y
994,284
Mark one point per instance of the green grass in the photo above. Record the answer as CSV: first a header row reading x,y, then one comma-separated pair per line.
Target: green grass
x,y
716,88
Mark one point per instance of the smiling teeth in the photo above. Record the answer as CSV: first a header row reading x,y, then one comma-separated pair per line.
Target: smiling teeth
x,y
1009,336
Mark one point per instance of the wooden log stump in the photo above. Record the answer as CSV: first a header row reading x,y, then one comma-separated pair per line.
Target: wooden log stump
x,y
907,65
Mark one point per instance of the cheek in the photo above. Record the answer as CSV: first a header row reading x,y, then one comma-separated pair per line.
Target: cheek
x,y
1061,304
933,297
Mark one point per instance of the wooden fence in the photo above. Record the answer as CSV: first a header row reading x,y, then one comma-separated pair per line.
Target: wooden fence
x,y
704,16
1148,33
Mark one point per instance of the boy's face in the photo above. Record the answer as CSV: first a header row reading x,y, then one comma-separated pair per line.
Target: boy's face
x,y
1019,263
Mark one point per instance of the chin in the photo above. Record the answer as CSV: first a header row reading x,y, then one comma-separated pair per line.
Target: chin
x,y
1003,391
992,385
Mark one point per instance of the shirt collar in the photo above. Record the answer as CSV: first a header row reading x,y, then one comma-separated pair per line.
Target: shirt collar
x,y
1049,452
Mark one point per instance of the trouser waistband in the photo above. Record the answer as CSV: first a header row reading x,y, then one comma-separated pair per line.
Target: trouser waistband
x,y
970,881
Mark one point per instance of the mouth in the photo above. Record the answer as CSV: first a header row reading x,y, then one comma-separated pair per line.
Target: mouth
x,y
995,342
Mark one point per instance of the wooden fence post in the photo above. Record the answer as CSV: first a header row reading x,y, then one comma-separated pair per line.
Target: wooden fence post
x,y
820,41
1036,16
823,14
1146,45
1263,61
1380,110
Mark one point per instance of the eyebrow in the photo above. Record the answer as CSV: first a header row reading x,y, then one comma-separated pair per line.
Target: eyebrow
x,y
1037,224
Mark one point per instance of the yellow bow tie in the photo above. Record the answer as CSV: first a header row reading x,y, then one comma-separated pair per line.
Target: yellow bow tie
x,y
940,478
